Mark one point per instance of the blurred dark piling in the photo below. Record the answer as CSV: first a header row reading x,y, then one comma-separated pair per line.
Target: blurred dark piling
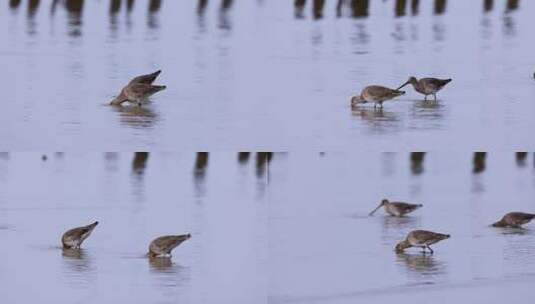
x,y
243,157
417,160
139,163
401,7
521,158
440,7
479,162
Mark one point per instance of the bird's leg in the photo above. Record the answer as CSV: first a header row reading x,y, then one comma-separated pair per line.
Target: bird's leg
x,y
425,98
435,95
430,250
375,105
423,250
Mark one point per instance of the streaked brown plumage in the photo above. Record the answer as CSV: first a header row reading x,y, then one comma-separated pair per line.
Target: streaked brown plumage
x,y
421,238
376,94
73,238
138,89
397,208
163,245
427,86
514,220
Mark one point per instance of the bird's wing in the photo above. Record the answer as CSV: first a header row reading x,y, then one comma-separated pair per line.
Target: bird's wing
x,y
77,232
140,90
434,83
147,79
380,92
519,218
168,242
405,206
424,236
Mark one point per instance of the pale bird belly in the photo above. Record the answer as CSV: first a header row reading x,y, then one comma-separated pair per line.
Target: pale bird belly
x,y
393,211
369,98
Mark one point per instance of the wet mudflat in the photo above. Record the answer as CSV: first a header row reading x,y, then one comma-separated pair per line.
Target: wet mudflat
x,y
276,228
265,74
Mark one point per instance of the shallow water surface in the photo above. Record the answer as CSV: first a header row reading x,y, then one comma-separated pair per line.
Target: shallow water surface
x,y
276,228
265,74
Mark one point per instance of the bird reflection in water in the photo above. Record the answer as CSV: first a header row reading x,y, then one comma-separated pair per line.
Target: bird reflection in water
x,y
137,117
392,227
427,115
378,120
161,264
78,268
516,231
421,266
168,276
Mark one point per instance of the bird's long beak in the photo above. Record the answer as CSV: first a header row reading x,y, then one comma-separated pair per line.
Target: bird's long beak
x,y
374,210
403,85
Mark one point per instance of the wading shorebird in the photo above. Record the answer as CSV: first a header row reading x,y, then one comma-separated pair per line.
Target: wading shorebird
x,y
422,239
376,94
514,220
138,90
398,209
427,86
73,239
162,246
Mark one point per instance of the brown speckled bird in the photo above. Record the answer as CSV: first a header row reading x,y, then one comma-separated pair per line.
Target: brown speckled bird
x,y
398,209
376,94
162,246
138,89
427,86
421,238
514,220
73,239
